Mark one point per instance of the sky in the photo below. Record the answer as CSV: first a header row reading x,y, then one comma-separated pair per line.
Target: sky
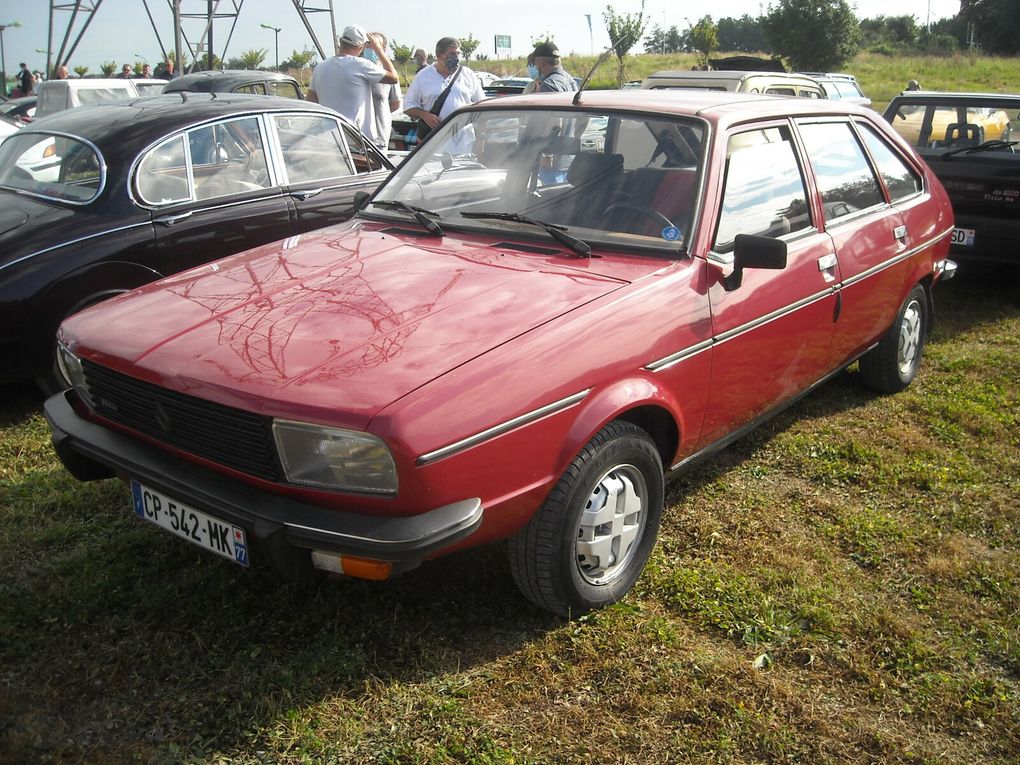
x,y
121,31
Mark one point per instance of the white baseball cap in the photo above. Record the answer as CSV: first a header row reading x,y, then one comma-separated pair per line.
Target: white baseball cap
x,y
354,35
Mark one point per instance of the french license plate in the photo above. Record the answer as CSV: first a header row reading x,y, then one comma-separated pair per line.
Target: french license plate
x,y
963,237
212,534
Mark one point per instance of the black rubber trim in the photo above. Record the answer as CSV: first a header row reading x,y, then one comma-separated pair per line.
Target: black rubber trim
x,y
91,452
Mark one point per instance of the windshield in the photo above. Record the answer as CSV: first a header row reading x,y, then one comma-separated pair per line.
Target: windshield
x,y
622,178
939,126
51,165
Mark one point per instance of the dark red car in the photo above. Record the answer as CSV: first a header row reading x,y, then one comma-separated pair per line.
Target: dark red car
x,y
547,310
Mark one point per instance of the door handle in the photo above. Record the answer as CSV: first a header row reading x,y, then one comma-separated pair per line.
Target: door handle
x,y
900,232
306,193
169,220
826,262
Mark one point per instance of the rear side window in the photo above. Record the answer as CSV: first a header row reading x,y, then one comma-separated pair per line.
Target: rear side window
x,y
54,166
313,148
256,89
845,179
901,179
764,190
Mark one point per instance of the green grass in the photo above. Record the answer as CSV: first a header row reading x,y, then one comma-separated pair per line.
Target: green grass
x,y
840,586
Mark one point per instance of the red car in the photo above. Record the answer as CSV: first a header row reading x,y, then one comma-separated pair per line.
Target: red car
x,y
547,310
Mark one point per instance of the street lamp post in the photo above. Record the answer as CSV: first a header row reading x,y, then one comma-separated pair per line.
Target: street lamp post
x,y
277,34
3,56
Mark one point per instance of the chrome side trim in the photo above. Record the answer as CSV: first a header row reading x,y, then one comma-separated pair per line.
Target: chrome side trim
x,y
899,258
75,241
675,358
504,427
776,314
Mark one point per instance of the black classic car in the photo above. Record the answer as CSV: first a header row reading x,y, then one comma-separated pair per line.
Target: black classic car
x,y
967,139
251,81
97,201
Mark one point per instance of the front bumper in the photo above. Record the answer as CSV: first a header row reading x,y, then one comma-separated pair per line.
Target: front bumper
x,y
92,452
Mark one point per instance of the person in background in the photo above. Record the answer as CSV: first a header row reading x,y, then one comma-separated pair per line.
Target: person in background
x,y
447,74
125,73
344,82
26,81
534,74
420,59
913,85
62,73
167,70
146,73
552,77
385,100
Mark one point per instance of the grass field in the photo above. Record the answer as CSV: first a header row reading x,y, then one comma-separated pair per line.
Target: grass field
x,y
841,586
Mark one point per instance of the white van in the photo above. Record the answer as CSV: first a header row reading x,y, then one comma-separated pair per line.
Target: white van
x,y
57,95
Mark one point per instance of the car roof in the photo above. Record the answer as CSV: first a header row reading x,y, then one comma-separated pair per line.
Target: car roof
x,y
722,108
724,74
218,79
130,124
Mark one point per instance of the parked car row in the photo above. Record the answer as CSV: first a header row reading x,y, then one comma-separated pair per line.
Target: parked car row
x,y
546,311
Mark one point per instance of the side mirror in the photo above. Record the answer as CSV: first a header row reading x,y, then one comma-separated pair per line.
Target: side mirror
x,y
752,251
360,198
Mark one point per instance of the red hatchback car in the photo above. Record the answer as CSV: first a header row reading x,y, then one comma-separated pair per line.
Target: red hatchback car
x,y
548,309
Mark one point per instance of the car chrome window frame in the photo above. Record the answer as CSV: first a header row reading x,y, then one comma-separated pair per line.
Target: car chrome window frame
x,y
281,163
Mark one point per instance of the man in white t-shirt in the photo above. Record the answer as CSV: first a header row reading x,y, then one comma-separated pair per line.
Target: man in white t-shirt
x,y
344,82
431,81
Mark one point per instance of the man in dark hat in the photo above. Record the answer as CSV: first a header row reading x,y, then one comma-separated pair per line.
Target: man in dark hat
x,y
551,75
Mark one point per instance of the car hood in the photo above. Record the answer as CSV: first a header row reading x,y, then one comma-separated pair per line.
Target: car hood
x,y
338,326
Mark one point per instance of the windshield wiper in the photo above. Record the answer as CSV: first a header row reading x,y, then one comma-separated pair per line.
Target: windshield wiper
x,y
559,233
420,214
995,143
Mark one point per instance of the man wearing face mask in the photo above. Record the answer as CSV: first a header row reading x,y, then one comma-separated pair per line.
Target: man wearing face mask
x,y
442,88
344,82
552,77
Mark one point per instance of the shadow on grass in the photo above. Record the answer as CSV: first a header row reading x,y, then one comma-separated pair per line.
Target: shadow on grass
x,y
114,633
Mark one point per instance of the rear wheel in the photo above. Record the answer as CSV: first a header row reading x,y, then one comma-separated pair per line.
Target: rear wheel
x,y
587,544
892,365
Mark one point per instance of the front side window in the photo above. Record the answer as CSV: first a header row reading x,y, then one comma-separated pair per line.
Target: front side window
x,y
632,178
52,165
313,148
844,177
764,190
900,178
365,159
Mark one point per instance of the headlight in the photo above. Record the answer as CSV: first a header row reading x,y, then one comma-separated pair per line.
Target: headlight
x,y
331,458
70,367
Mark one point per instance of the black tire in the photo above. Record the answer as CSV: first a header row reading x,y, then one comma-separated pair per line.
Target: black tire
x,y
892,365
553,558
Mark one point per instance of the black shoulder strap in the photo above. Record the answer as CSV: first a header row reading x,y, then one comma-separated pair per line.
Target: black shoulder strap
x,y
438,105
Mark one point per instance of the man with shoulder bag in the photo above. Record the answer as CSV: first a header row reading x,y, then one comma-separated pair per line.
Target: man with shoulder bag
x,y
442,88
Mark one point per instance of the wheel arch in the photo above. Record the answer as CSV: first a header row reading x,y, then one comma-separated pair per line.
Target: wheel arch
x,y
640,401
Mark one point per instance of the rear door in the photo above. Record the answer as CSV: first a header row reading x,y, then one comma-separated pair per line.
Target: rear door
x,y
771,334
324,163
213,192
872,242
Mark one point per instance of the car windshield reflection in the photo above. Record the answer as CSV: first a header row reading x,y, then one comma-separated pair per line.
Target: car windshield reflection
x,y
619,178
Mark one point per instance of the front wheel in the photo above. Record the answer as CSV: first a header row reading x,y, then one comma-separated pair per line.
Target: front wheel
x,y
587,544
892,365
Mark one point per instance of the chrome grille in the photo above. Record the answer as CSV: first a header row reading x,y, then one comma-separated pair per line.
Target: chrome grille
x,y
222,434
